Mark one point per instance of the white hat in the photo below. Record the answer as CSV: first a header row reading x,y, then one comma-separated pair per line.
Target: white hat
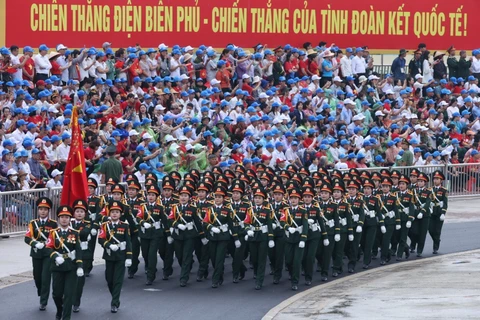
x,y
11,172
413,116
56,172
283,117
61,47
52,109
263,95
184,77
214,82
106,44
159,107
341,166
348,101
358,117
120,121
188,48
189,147
146,136
405,114
256,79
162,46
337,78
389,91
276,121
173,149
372,77
362,78
245,76
183,138
379,113
226,151
417,127
443,103
169,138
315,77
418,76
132,133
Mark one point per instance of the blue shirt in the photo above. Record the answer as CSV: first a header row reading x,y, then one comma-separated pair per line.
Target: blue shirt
x,y
328,64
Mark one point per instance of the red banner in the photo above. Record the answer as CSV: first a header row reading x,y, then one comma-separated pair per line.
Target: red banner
x,y
378,24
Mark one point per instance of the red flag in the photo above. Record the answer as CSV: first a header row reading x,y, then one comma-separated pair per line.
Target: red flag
x,y
75,175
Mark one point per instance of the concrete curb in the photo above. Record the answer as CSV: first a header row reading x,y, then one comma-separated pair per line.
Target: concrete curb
x,y
272,313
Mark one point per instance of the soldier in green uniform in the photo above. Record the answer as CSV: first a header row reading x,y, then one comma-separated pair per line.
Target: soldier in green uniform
x,y
151,221
186,224
345,227
316,230
440,205
165,248
114,237
373,219
330,216
412,232
406,208
83,228
202,246
95,205
111,182
358,217
239,207
218,222
277,253
392,218
423,197
36,237
259,235
136,203
295,223
63,247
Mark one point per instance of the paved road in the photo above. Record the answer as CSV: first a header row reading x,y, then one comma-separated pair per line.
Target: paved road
x,y
167,300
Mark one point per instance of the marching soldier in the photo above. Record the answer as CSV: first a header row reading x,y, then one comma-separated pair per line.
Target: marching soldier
x,y
406,208
392,219
151,221
330,215
202,247
63,246
277,253
36,237
186,223
166,242
358,217
239,207
316,230
373,219
111,182
345,228
440,205
114,237
95,205
136,204
259,235
83,227
423,198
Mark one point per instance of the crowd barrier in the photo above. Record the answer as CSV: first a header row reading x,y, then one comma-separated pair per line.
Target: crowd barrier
x,y
17,208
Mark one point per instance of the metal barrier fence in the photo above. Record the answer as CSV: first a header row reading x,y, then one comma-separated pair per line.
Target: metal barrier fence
x,y
17,208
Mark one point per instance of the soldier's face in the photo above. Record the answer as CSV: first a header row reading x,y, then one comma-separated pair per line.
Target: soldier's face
x,y
167,193
294,201
437,181
278,196
117,196
115,215
385,188
218,200
132,192
184,198
402,186
79,214
367,191
236,196
352,191
413,179
202,194
421,183
43,212
258,200
64,221
91,190
151,197
307,199
324,195
337,194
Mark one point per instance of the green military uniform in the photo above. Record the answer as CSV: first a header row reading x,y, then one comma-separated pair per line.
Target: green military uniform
x,y
136,205
64,248
345,232
373,221
36,237
202,246
165,248
439,206
277,254
358,217
259,233
332,227
392,219
95,206
117,244
406,209
239,210
316,230
423,197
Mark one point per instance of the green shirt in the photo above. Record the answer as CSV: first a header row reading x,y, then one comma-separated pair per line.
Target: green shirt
x,y
112,168
407,158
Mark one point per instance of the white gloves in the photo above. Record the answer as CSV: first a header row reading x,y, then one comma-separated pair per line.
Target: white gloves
x,y
250,233
420,216
442,217
181,226
291,230
39,245
147,225
337,237
92,216
350,237
383,229
326,243
113,247
215,230
301,244
246,238
169,240
408,224
128,263
93,232
359,229
80,272
398,227
271,244
89,238
59,261
238,244
310,221
274,226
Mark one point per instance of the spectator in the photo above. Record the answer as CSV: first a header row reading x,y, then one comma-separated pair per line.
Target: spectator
x,y
55,180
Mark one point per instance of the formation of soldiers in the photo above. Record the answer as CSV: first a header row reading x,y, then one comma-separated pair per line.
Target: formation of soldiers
x,y
291,219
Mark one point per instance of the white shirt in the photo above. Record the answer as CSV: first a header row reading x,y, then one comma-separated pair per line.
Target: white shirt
x,y
42,64
358,65
16,60
62,151
52,184
140,176
427,72
475,68
62,62
101,65
18,136
173,64
346,65
276,155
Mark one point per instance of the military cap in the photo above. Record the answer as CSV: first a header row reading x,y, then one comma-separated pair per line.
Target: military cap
x,y
326,187
240,169
229,174
423,176
297,178
195,173
117,188
278,188
115,205
291,168
189,177
217,170
414,172
316,175
220,191
336,173
376,176
175,175
265,176
238,187
149,182
186,190
203,186
292,185
112,181
354,172
295,193
385,173
152,176
338,185
153,189
64,211
365,175
251,173
222,178
243,177
304,171
259,192
44,202
133,185
438,175
353,184
168,184
131,177
405,179
270,171
387,181
347,176
308,182
92,183
395,174
367,183
80,204
308,191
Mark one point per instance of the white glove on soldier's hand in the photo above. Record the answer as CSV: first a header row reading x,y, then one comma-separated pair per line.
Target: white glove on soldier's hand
x,y
215,230
181,226
326,243
80,272
169,240
39,245
337,237
204,241
398,227
383,229
274,226
238,244
59,260
310,221
113,247
271,244
408,224
301,244
147,225
250,233
93,232
246,237
350,237
359,229
442,217
420,216
291,230
128,263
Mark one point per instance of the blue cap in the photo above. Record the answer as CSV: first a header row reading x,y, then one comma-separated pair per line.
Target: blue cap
x,y
468,99
207,134
153,145
359,49
344,142
379,159
269,145
456,114
143,166
342,156
415,150
370,90
43,48
31,125
474,152
55,138
413,141
455,141
160,164
465,113
140,148
278,144
65,135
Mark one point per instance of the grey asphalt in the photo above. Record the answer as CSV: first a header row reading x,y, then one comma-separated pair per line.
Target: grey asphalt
x,y
167,300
